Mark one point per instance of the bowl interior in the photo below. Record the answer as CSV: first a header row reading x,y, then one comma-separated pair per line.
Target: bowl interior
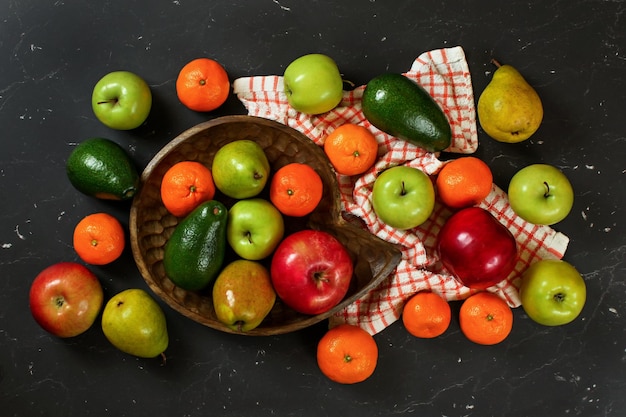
x,y
151,224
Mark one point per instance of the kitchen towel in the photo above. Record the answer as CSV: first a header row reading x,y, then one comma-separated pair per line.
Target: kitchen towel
x,y
445,74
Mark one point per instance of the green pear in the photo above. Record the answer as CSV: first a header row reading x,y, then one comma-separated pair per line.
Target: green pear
x,y
243,295
509,109
135,324
240,169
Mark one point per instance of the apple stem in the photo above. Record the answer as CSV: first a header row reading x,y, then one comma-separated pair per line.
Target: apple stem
x,y
547,193
113,100
321,277
403,191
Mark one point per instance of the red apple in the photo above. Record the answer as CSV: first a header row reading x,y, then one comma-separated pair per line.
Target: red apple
x,y
65,299
311,271
476,248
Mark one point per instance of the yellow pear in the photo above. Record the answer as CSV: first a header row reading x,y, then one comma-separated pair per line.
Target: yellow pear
x,y
509,109
134,323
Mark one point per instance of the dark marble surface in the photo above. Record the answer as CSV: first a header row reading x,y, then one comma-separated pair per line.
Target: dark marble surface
x,y
52,53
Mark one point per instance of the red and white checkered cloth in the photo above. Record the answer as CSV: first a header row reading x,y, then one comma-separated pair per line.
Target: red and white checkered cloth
x,y
444,73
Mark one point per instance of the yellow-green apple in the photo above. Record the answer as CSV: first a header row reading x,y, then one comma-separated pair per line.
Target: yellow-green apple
x,y
65,299
541,194
243,295
476,248
552,292
313,84
240,169
254,228
311,271
403,197
121,100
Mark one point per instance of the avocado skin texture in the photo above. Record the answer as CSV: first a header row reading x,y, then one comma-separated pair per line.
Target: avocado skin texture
x,y
195,252
101,168
404,109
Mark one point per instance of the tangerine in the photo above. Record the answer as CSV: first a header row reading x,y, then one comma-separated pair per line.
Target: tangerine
x,y
352,149
203,85
485,318
185,186
347,354
464,182
426,315
296,189
99,239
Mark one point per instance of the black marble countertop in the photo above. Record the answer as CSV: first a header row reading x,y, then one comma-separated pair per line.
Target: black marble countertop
x,y
53,52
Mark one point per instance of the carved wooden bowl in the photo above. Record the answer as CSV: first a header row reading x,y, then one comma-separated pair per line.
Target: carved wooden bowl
x,y
151,224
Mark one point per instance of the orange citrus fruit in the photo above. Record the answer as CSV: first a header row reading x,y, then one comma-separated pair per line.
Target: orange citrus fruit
x,y
99,239
426,315
351,148
464,182
296,189
203,85
185,186
347,354
485,318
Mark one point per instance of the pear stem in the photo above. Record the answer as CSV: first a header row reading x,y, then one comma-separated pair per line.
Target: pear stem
x,y
495,62
163,359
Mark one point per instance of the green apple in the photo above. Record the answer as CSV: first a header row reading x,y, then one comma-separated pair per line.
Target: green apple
x,y
243,295
313,84
552,292
121,100
403,197
541,194
240,169
254,228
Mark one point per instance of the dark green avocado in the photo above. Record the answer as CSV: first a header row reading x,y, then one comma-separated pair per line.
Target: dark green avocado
x,y
101,168
195,252
404,109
